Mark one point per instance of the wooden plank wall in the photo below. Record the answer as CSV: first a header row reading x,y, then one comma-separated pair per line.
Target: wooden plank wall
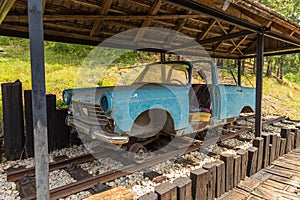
x,y
19,143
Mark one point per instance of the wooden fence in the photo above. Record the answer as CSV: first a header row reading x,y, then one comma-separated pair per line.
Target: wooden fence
x,y
216,178
19,143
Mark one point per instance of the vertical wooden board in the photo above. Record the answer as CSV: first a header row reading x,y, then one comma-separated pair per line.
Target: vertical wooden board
x,y
252,161
184,188
282,146
237,170
296,137
292,140
211,189
62,133
149,196
277,151
266,154
29,149
166,191
13,119
286,133
273,141
51,119
220,180
199,179
258,142
228,159
244,162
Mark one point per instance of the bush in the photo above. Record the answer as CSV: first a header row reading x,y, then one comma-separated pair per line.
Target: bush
x,y
293,77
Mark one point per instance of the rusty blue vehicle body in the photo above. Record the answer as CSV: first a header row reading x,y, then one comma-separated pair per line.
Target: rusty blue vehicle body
x,y
167,96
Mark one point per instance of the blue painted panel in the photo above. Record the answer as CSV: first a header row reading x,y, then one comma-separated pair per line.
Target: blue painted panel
x,y
129,104
234,99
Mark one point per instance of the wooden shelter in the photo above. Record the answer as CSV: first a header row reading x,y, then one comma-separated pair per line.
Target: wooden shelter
x,y
225,28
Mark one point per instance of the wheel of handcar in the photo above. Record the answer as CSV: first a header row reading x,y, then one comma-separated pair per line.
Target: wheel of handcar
x,y
137,153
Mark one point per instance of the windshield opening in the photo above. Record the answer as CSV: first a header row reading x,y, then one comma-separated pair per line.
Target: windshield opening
x,y
165,73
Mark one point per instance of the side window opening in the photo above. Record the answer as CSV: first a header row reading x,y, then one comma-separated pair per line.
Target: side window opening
x,y
226,77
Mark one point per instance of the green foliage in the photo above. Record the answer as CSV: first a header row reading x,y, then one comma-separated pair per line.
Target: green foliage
x,y
293,77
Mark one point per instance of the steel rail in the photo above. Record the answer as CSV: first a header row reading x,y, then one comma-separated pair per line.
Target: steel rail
x,y
19,173
90,182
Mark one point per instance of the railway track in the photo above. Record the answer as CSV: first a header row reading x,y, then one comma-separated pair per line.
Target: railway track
x,y
85,181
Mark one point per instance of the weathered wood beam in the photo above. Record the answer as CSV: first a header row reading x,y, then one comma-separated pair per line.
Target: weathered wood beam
x,y
179,26
39,107
224,30
207,30
84,3
44,5
239,44
213,40
221,42
153,11
22,18
105,8
5,7
213,12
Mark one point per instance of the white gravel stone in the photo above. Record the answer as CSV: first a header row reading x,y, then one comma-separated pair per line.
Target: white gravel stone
x,y
59,178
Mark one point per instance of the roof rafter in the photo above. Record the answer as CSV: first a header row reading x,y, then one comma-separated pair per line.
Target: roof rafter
x,y
207,30
239,44
214,39
23,18
105,9
5,6
153,11
224,30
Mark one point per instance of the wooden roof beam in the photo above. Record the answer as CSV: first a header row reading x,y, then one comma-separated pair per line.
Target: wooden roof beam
x,y
5,7
44,5
207,30
201,8
239,44
231,40
213,40
178,28
153,11
23,18
105,9
221,42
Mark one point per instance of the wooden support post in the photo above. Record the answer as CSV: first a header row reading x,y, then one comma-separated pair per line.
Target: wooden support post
x,y
292,140
166,191
252,161
211,187
229,161
184,188
259,83
258,142
220,180
199,179
296,131
273,141
149,196
237,170
282,146
287,134
277,151
266,155
13,120
36,36
244,162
